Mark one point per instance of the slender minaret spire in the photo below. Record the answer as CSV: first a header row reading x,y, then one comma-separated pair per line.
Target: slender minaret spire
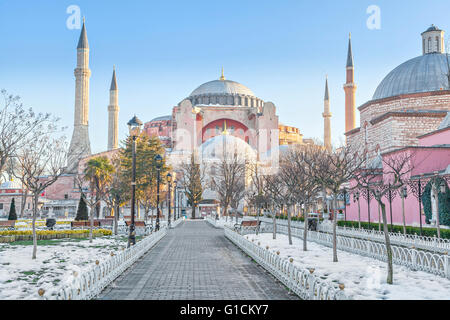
x,y
326,118
80,146
350,90
113,114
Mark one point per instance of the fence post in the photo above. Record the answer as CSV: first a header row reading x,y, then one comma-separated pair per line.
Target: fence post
x,y
447,266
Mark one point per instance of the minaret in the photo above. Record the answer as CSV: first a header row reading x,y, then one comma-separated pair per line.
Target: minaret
x,y
350,91
326,118
113,114
80,146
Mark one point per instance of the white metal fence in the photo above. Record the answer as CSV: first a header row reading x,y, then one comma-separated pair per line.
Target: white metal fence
x,y
300,281
432,244
414,259
89,284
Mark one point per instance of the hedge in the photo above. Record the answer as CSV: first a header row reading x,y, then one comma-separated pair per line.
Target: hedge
x,y
429,232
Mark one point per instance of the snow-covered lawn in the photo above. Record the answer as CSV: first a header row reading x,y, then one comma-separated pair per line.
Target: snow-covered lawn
x,y
364,278
57,260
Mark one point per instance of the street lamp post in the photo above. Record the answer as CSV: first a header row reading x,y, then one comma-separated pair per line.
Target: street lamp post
x,y
169,183
404,195
180,203
158,163
134,126
175,200
345,204
356,198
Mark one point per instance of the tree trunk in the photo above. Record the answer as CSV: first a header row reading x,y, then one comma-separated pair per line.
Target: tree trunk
x,y
335,257
289,226
23,202
193,212
305,231
91,218
359,215
257,218
390,277
116,220
151,218
403,213
379,218
35,198
274,224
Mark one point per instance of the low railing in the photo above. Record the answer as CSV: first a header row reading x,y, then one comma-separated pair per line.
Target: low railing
x,y
432,244
438,264
89,284
301,281
174,224
408,240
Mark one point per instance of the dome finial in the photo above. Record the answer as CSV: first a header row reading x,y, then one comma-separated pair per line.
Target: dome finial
x,y
222,77
225,127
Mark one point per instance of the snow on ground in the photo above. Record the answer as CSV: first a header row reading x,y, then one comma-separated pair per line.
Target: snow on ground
x,y
364,278
21,277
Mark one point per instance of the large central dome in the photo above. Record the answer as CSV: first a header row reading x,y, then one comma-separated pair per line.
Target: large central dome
x,y
422,74
222,87
224,93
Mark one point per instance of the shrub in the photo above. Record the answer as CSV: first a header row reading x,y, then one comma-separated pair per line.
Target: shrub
x,y
12,211
82,211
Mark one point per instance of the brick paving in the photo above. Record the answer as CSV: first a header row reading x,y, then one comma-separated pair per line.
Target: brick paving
x,y
195,261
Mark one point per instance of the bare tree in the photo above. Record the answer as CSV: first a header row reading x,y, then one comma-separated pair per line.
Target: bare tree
x,y
42,162
307,185
274,187
19,127
192,179
229,179
391,174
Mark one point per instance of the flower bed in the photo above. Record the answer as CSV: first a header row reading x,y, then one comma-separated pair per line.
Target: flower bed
x,y
27,235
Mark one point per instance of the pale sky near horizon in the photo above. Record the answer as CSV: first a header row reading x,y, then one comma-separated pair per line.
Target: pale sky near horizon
x,y
163,50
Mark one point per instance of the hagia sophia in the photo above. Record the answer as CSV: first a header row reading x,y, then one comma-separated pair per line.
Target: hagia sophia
x,y
409,109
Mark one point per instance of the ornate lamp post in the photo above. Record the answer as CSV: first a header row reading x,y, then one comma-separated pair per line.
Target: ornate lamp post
x,y
417,187
404,195
158,163
175,189
169,183
345,204
391,196
356,198
134,126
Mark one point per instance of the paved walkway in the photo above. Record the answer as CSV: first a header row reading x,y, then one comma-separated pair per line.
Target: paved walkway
x,y
195,261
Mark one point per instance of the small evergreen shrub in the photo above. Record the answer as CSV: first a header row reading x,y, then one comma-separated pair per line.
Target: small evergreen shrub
x,y
12,211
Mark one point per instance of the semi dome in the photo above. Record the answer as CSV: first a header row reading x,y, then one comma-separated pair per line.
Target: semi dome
x,y
422,74
225,146
222,87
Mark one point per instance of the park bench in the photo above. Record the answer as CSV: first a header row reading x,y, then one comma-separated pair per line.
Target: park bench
x,y
8,224
136,223
109,217
83,224
247,225
140,226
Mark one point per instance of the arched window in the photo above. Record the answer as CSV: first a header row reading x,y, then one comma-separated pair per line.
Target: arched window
x,y
246,102
437,44
429,45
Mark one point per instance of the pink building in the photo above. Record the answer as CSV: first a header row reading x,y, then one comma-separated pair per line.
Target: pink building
x,y
430,158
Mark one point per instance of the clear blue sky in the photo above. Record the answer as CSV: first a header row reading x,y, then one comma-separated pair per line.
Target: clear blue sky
x,y
163,50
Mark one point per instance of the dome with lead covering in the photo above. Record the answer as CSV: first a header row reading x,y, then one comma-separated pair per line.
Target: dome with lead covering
x,y
425,73
222,87
224,92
